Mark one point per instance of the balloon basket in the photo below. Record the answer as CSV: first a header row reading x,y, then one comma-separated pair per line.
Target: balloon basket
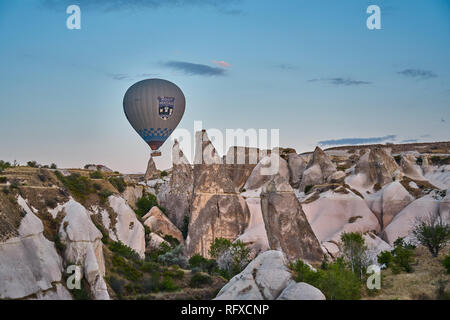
x,y
156,153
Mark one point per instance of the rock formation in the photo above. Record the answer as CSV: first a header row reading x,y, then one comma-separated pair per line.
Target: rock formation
x,y
128,229
375,168
301,291
240,162
29,264
158,223
388,201
83,247
151,171
217,208
177,197
319,169
286,225
297,166
267,168
263,279
403,223
410,168
335,212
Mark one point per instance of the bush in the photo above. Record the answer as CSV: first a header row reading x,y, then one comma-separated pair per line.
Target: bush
x,y
96,175
199,279
82,293
446,263
32,164
232,258
119,248
308,188
97,186
53,166
400,258
118,183
337,281
164,174
144,204
3,179
124,268
117,285
433,233
386,258
104,194
201,263
78,185
167,284
218,247
4,165
174,257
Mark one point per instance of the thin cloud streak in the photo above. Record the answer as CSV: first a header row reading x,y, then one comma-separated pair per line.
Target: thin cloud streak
x,y
195,68
352,141
340,81
418,73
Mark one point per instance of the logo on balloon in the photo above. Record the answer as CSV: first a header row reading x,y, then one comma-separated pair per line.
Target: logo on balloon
x,y
165,107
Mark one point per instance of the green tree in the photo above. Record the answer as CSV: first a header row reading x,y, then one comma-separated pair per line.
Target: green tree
x,y
355,252
433,233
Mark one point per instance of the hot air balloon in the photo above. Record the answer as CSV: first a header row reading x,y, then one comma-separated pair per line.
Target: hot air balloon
x,y
154,107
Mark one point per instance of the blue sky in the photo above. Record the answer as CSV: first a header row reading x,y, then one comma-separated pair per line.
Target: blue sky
x,y
310,68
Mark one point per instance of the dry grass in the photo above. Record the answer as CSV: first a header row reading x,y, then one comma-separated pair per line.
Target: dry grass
x,y
422,284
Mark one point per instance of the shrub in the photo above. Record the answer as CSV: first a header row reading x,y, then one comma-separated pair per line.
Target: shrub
x,y
218,247
78,185
118,183
82,293
308,188
124,268
164,174
4,165
53,166
104,194
173,242
201,263
96,175
386,258
446,263
119,248
174,257
199,280
97,186
144,204
400,258
355,252
337,281
32,164
167,284
3,179
232,258
433,233
117,285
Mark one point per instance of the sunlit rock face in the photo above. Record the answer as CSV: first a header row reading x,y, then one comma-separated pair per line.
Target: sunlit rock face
x,y
319,170
177,196
287,227
217,210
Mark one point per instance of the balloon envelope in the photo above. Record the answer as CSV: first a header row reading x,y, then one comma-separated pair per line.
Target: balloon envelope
x,y
154,107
